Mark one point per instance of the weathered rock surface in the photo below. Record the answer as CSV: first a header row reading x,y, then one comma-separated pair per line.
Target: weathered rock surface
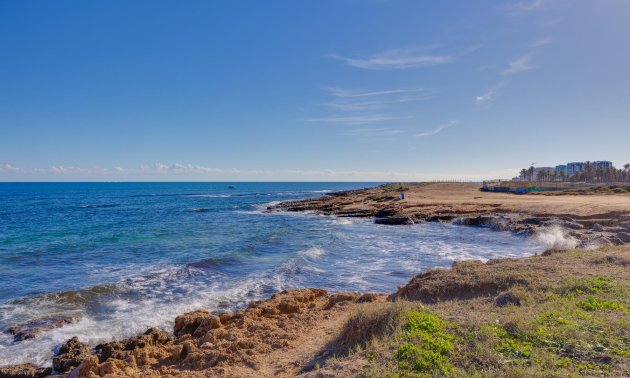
x,y
507,299
394,220
426,203
624,237
70,355
153,337
34,328
210,344
24,371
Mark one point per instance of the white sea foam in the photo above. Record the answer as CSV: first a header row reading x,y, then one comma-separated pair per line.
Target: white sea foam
x,y
162,298
358,257
313,252
555,237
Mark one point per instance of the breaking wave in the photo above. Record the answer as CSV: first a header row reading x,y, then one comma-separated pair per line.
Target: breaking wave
x,y
555,237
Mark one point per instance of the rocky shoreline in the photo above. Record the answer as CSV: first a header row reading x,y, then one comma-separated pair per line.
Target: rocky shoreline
x,y
203,343
218,344
385,207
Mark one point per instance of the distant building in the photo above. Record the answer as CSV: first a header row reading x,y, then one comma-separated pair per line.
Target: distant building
x,y
603,164
561,168
575,167
566,170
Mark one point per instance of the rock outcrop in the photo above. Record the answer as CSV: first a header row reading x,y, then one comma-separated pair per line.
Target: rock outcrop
x,y
70,355
34,328
213,343
24,371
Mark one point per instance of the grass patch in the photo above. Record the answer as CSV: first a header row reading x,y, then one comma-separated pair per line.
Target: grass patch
x,y
426,344
570,323
592,303
395,187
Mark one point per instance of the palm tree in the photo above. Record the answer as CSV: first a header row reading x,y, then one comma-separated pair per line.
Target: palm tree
x,y
530,171
523,174
588,172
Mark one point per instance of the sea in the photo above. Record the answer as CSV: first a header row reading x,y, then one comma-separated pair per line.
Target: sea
x,y
122,257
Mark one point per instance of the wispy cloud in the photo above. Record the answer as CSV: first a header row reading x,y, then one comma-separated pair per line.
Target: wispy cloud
x,y
395,59
364,106
541,42
516,66
383,132
358,119
359,100
193,172
525,6
489,95
438,129
6,167
178,168
352,93
521,64
529,6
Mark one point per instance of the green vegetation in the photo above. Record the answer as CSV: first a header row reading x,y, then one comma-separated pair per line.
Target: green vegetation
x,y
570,323
395,187
426,344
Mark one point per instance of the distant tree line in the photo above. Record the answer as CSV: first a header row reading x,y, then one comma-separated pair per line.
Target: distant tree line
x,y
592,174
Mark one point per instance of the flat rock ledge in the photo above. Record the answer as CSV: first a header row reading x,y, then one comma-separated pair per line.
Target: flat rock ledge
x,y
587,232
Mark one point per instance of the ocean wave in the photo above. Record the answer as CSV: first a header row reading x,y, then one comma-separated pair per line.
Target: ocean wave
x,y
555,237
313,252
215,262
201,210
207,196
98,206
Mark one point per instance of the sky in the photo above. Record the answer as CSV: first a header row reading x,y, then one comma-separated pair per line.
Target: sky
x,y
321,90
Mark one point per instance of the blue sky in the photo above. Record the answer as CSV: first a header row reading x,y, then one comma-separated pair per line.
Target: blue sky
x,y
345,90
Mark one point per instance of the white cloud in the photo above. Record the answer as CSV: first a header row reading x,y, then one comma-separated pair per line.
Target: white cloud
x,y
521,64
340,92
529,6
177,171
353,100
5,168
376,133
437,129
177,168
541,42
490,94
353,105
358,119
395,59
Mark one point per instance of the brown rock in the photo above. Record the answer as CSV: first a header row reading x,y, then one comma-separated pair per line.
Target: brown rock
x,y
338,298
24,371
118,349
195,323
36,327
365,298
70,355
289,307
394,220
624,237
506,299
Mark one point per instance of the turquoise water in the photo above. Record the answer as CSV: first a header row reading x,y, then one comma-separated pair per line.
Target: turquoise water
x,y
121,257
